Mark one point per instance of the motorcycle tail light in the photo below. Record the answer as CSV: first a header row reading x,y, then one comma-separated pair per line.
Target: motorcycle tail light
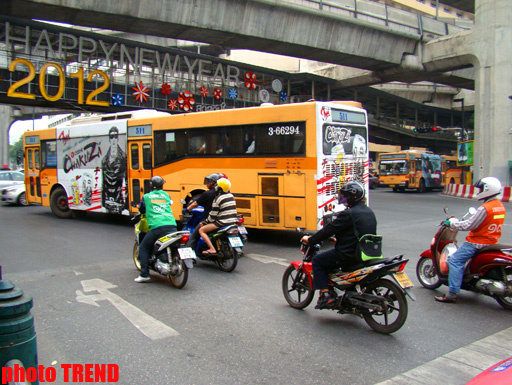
x,y
402,266
184,239
241,220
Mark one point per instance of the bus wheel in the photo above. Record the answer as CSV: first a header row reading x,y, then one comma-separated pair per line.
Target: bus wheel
x,y
59,204
421,187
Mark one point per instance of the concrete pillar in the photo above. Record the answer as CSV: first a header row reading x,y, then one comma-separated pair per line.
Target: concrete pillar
x,y
492,46
6,120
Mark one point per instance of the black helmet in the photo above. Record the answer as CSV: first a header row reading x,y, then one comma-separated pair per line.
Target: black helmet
x,y
352,191
156,182
211,180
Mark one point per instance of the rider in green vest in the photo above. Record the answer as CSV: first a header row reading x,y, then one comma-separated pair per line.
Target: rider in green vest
x,y
157,207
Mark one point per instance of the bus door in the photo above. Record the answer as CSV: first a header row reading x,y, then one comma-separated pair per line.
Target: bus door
x,y
139,169
32,177
412,173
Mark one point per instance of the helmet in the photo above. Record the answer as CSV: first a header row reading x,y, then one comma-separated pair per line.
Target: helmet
x,y
222,175
489,187
211,180
156,182
352,192
223,185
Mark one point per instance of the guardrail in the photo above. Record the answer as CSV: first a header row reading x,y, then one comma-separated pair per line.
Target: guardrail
x,y
388,16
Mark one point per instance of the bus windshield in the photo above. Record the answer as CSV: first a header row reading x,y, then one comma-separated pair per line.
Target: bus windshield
x,y
393,167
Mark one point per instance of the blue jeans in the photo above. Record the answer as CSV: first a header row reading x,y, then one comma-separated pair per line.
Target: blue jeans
x,y
146,246
456,263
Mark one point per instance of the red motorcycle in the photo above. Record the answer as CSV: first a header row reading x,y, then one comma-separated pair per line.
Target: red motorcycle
x,y
489,272
363,292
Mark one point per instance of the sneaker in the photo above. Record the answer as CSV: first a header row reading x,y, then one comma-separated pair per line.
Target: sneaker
x,y
325,301
140,278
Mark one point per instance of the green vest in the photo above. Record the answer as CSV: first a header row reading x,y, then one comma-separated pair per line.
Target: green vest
x,y
158,209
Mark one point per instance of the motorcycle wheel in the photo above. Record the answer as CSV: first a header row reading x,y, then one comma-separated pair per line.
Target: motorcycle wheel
x,y
505,302
230,260
426,274
297,295
136,256
395,310
179,279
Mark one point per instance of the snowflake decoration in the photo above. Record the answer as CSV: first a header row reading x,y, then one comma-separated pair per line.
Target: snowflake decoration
x,y
250,80
283,96
186,101
204,91
117,99
217,93
166,89
141,92
172,104
233,93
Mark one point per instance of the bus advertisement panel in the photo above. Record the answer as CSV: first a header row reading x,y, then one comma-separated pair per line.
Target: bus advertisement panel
x,y
286,163
465,152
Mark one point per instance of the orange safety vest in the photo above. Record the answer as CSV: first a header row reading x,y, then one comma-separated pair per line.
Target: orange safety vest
x,y
489,231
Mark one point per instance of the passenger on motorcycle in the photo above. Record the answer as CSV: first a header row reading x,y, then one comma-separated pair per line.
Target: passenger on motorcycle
x,y
357,215
485,229
223,213
157,207
205,200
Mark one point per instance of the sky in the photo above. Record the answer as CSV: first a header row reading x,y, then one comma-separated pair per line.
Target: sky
x,y
21,126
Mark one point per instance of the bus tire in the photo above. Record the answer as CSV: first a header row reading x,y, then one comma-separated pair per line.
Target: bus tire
x,y
421,187
59,204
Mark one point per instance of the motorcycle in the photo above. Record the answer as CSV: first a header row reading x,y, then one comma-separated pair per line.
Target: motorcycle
x,y
363,291
227,240
489,272
170,257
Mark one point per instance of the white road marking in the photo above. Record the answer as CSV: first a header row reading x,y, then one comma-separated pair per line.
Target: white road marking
x,y
461,365
266,259
147,325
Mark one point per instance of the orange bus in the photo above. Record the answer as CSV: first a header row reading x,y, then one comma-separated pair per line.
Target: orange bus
x,y
419,170
285,163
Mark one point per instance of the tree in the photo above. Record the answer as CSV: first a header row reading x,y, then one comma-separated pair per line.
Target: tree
x,y
16,153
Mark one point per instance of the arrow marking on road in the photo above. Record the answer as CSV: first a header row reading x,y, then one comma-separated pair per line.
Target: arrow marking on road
x,y
267,259
147,325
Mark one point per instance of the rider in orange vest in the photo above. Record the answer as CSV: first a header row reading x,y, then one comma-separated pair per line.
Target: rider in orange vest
x,y
485,229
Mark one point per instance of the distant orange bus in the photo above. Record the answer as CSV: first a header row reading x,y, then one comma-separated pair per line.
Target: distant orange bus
x,y
286,163
419,170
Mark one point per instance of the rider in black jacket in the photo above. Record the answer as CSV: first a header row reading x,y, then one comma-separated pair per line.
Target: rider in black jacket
x,y
343,256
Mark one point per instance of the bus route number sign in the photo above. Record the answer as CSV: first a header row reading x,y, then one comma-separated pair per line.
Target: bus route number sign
x,y
144,130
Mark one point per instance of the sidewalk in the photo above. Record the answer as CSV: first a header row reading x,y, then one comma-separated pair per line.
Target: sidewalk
x,y
461,365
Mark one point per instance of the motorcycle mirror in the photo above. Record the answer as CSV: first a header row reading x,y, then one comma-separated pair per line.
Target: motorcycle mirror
x,y
445,209
472,210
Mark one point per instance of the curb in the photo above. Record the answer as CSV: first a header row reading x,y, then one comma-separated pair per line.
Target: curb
x,y
468,191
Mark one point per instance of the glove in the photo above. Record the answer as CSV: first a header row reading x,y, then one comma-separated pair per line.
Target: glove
x,y
448,222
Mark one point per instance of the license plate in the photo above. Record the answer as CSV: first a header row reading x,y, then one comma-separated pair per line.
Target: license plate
x,y
242,230
186,253
235,242
403,280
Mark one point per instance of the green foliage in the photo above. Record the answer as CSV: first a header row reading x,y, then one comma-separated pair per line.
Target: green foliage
x,y
15,151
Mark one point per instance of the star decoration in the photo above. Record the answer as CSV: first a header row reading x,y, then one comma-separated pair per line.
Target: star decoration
x,y
166,89
250,80
204,91
233,93
141,92
117,99
172,104
283,96
217,93
186,101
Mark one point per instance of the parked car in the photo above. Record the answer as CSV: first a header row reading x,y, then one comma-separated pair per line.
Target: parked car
x,y
14,195
374,180
10,178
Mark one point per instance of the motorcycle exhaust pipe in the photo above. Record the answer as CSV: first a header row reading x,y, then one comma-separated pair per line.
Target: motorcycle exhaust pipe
x,y
492,287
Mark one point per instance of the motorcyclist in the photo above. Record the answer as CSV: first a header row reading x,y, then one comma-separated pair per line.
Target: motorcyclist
x,y
157,207
357,215
205,200
485,229
223,213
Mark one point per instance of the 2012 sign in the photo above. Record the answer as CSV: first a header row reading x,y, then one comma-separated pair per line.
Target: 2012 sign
x,y
13,89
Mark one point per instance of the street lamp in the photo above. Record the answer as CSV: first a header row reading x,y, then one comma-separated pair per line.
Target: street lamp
x,y
461,100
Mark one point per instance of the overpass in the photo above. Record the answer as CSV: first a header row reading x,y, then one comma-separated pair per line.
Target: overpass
x,y
388,50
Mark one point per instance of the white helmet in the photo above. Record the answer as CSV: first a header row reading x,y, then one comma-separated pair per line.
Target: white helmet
x,y
489,187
